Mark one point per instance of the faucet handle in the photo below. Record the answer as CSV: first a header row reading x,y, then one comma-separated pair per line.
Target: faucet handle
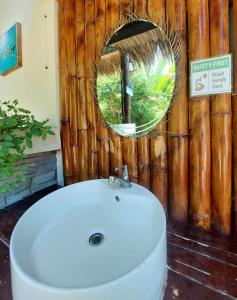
x,y
111,179
124,169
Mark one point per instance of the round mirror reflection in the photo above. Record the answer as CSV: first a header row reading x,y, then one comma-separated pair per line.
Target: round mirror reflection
x,y
135,78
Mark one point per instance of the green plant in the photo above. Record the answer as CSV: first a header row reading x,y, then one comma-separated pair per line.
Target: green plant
x,y
17,128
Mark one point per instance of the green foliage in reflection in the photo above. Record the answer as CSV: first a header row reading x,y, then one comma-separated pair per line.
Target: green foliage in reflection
x,y
153,90
17,128
109,95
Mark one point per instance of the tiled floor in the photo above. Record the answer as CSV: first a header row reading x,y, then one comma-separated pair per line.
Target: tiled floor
x,y
202,266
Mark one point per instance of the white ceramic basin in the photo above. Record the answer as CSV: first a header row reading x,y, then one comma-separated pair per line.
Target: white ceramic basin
x,y
52,259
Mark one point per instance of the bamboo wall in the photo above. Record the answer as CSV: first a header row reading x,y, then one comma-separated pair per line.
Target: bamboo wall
x,y
188,166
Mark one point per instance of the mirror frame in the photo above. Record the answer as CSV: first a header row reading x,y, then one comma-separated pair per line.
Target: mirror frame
x,y
170,42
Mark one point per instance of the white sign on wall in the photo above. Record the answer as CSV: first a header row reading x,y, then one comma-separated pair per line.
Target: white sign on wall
x,y
211,76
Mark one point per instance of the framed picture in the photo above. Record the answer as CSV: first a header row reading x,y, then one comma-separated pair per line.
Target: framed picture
x,y
11,50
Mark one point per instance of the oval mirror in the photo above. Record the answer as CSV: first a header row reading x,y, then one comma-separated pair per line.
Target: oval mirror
x,y
135,78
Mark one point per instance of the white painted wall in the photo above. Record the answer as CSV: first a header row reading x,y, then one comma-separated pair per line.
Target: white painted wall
x,y
36,88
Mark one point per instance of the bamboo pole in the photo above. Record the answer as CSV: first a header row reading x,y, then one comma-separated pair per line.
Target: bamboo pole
x,y
103,132
130,157
234,111
140,8
90,81
67,154
143,161
80,37
81,91
156,10
63,68
89,38
73,126
65,72
199,121
125,7
158,146
112,20
143,149
92,131
221,124
100,26
70,40
159,178
82,129
178,124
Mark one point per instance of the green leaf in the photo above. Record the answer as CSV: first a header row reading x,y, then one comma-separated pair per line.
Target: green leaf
x,y
25,111
28,143
17,129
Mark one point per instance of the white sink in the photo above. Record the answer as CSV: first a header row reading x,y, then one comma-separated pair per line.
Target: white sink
x,y
54,256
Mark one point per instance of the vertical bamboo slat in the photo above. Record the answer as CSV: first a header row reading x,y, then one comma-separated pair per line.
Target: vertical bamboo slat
x,y
67,154
63,68
112,20
90,81
221,124
92,135
178,124
82,129
143,161
100,24
156,10
80,37
234,111
140,8
130,157
70,40
65,115
89,38
73,127
158,146
81,91
143,149
199,121
125,7
103,132
159,178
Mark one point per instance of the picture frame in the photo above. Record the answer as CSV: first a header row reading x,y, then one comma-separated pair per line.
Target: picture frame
x,y
11,50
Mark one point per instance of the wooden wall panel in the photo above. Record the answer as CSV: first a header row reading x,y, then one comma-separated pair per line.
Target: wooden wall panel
x,y
178,123
221,124
199,121
158,146
65,12
103,132
177,164
143,149
90,52
234,111
81,91
116,150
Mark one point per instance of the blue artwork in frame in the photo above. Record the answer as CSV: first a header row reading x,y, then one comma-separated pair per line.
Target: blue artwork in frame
x,y
10,50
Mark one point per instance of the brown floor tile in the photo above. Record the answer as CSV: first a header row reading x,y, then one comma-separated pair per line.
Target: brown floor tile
x,y
7,223
5,278
182,288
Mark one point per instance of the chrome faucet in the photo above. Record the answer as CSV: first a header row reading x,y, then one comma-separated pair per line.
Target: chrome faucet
x,y
124,180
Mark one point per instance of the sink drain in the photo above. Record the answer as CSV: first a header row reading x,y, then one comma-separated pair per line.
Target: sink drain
x,y
96,239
